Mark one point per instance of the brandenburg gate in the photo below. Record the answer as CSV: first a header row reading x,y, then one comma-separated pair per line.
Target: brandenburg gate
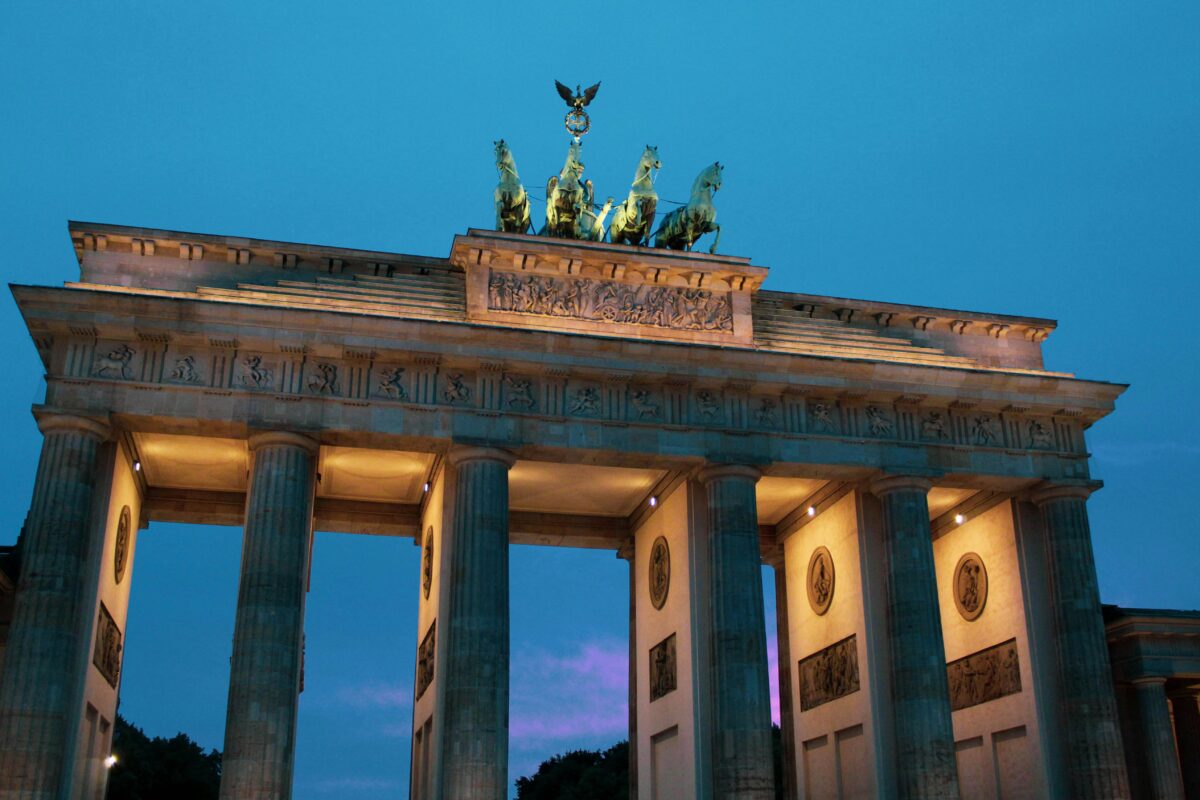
x,y
917,478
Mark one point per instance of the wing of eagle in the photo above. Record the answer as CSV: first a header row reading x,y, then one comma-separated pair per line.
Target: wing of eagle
x,y
565,93
589,93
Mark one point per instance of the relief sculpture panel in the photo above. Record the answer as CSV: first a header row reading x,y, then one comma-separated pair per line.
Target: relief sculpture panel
x,y
829,674
675,307
107,654
983,676
425,658
662,668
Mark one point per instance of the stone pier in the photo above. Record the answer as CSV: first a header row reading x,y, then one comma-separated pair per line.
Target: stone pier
x,y
1186,711
474,759
1087,705
50,634
741,719
925,765
264,678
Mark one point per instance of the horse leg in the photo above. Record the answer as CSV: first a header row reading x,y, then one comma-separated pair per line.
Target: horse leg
x,y
717,240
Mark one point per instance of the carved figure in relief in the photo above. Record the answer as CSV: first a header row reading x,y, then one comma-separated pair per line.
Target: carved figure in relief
x,y
765,414
970,586
610,301
682,227
1040,435
520,392
878,423
660,572
822,417
707,404
106,655
456,391
427,563
984,676
566,197
184,370
586,401
391,383
425,659
634,219
256,375
324,381
934,425
116,362
512,204
829,674
121,546
983,430
643,403
663,668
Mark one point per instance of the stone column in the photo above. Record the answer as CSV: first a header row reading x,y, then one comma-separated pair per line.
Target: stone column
x,y
787,723
50,634
627,553
742,764
924,732
264,679
474,763
1087,705
1157,739
1187,737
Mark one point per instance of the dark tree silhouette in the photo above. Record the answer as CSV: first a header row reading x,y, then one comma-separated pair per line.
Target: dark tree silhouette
x,y
580,775
152,769
595,775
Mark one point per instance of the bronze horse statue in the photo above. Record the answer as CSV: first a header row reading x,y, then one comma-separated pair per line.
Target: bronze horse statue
x,y
683,226
566,198
634,219
512,204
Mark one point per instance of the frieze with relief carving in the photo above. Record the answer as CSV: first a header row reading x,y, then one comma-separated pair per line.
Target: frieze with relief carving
x,y
674,307
425,659
106,656
984,676
829,674
663,673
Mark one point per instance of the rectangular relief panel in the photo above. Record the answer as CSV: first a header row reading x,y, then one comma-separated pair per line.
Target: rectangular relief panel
x,y
666,754
663,675
425,659
107,655
984,676
829,674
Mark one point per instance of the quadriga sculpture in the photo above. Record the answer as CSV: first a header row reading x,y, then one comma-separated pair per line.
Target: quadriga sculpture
x,y
512,204
566,197
591,224
634,219
683,226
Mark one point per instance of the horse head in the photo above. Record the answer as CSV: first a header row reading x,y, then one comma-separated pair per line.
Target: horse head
x,y
504,157
708,179
650,158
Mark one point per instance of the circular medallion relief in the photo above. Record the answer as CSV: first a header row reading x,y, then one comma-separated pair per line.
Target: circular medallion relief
x,y
121,549
427,563
820,580
660,572
970,586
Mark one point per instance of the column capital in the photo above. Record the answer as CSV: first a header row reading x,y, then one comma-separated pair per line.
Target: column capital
x,y
886,484
1058,490
48,421
460,454
268,438
1149,680
716,471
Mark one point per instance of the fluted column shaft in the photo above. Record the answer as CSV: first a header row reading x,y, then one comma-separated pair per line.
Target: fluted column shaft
x,y
51,625
1087,704
627,553
737,659
264,679
475,622
1157,739
787,718
924,731
1187,737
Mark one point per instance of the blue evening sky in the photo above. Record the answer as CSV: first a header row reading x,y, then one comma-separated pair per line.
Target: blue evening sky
x,y
1024,158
